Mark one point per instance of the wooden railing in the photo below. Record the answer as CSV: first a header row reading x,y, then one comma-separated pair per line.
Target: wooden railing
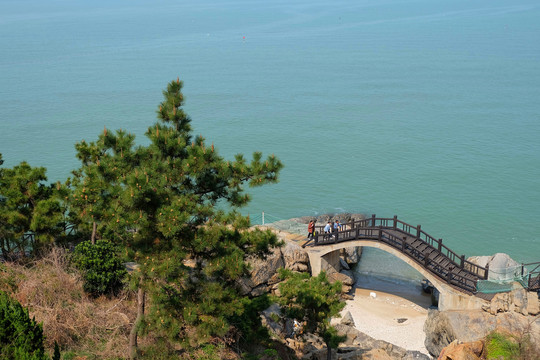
x,y
385,230
533,274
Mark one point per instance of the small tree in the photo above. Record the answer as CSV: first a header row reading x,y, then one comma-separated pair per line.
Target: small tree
x,y
20,337
103,271
313,300
27,205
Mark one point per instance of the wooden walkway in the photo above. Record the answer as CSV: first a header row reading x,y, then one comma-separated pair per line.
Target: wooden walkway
x,y
412,241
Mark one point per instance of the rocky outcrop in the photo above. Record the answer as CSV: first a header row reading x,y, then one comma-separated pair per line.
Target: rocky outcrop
x,y
442,328
351,255
346,278
357,346
501,266
463,351
264,272
264,277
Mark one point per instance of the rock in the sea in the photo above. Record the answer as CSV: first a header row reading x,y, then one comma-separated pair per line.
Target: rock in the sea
x,y
351,255
344,264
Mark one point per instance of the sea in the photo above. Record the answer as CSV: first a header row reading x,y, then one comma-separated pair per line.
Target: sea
x,y
424,109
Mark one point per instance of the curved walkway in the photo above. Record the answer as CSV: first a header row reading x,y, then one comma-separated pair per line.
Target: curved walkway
x,y
411,242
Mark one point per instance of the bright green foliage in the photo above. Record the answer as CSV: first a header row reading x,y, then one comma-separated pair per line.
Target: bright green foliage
x,y
103,271
313,300
27,206
21,338
499,346
161,202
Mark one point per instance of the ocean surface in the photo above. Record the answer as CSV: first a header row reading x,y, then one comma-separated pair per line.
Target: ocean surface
x,y
426,109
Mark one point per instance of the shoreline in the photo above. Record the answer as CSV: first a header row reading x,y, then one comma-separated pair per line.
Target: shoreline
x,y
394,315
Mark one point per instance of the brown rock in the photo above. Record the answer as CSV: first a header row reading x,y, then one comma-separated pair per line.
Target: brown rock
x,y
442,328
465,351
295,258
533,304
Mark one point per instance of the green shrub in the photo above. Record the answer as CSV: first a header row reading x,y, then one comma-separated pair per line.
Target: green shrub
x,y
21,338
103,271
500,346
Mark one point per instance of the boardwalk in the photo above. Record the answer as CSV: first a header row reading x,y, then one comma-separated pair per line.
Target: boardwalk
x,y
416,244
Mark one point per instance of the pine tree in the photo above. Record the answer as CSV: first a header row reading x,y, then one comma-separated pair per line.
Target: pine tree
x,y
173,205
313,300
21,338
27,205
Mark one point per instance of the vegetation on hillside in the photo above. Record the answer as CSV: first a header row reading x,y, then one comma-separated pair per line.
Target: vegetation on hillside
x,y
314,301
172,207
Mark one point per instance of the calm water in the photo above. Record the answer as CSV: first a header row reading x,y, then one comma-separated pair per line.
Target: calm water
x,y
428,109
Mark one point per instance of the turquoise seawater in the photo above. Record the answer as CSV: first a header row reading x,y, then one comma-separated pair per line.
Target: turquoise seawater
x,y
425,109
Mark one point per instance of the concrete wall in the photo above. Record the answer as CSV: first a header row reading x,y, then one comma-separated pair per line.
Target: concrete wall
x,y
326,258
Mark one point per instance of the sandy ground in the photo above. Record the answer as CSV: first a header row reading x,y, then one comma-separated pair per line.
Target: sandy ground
x,y
387,311
395,318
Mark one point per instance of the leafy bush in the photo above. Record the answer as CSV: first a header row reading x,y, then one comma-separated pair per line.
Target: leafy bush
x,y
500,346
103,271
21,338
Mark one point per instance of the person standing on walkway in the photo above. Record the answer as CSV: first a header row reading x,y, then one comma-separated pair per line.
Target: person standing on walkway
x,y
328,228
310,229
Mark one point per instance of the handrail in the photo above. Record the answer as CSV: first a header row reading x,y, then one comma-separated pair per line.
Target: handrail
x,y
533,283
375,228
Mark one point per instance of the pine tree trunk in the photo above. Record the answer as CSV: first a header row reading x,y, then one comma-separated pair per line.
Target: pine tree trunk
x,y
328,352
93,238
133,333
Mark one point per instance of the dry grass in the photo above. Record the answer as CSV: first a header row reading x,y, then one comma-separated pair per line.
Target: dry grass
x,y
53,293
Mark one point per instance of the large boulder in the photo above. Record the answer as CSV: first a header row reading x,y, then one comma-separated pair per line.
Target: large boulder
x,y
295,258
357,346
501,266
346,278
462,351
443,327
351,255
533,303
516,300
263,276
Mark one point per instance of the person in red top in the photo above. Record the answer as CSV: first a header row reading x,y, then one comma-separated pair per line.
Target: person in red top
x,y
310,229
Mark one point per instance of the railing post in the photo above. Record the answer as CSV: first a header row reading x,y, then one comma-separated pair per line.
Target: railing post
x,y
487,272
418,230
373,220
462,261
440,245
395,222
403,244
449,277
380,234
336,236
316,238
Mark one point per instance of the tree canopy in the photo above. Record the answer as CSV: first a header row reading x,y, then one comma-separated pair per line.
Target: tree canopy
x,y
313,300
31,215
174,206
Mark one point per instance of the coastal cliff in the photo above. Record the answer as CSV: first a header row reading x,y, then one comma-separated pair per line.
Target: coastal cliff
x,y
511,313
